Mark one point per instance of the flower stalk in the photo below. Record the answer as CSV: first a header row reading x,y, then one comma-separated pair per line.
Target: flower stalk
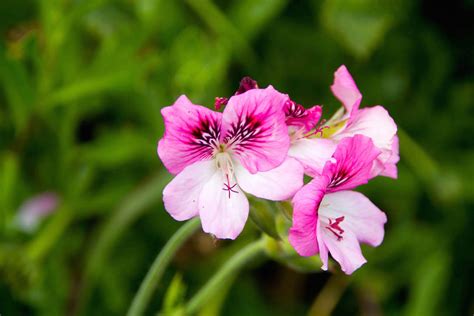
x,y
231,267
153,277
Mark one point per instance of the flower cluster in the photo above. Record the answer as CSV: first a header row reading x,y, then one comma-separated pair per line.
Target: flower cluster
x,y
263,143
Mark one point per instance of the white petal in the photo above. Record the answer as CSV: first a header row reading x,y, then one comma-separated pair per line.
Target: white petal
x,y
223,213
312,153
361,216
181,195
346,251
277,184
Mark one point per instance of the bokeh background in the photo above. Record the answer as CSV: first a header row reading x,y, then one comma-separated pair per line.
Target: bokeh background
x,y
82,84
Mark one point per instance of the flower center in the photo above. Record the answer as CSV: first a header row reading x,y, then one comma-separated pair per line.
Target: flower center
x,y
224,163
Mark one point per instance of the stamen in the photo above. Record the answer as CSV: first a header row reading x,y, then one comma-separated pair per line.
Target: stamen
x,y
228,187
318,130
219,102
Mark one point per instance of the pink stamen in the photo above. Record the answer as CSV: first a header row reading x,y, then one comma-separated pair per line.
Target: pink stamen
x,y
318,130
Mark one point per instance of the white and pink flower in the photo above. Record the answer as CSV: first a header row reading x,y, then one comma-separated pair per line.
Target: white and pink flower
x,y
374,122
216,157
329,218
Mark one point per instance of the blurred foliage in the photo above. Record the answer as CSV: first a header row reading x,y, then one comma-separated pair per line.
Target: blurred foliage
x,y
82,84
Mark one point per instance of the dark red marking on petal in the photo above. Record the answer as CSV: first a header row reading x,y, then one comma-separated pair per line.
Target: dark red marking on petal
x,y
334,227
205,136
247,131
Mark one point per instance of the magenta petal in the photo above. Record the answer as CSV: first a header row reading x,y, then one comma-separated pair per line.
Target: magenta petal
x,y
181,195
345,89
278,184
223,212
302,235
191,134
354,161
254,128
298,116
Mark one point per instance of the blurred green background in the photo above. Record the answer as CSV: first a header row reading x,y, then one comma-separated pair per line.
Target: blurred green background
x,y
82,84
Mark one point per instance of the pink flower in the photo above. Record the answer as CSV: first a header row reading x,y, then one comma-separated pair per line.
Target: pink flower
x,y
218,156
327,218
35,209
374,122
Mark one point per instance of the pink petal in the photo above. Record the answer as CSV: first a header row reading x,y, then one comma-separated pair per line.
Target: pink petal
x,y
223,213
313,153
354,160
277,184
181,195
191,134
35,209
302,235
345,89
390,167
376,123
254,128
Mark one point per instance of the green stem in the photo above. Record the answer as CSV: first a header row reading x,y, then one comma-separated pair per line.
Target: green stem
x,y
129,210
230,268
148,286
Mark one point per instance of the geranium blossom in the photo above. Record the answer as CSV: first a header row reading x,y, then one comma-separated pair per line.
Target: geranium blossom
x,y
302,128
328,218
374,122
217,156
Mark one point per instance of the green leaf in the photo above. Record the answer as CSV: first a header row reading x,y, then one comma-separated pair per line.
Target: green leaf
x,y
360,25
174,296
17,87
251,16
9,172
116,148
262,214
429,285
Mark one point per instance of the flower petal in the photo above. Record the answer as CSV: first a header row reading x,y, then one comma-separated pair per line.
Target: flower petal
x,y
345,251
354,161
345,89
302,235
278,184
376,123
298,116
181,195
254,128
223,212
191,134
390,167
312,153
361,221
364,219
